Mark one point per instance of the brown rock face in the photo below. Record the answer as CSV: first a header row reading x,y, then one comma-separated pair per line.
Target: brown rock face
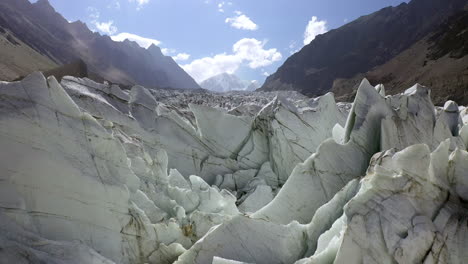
x,y
339,57
438,61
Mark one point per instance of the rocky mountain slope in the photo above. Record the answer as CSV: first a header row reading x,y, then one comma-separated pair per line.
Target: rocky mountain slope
x,y
19,59
394,40
439,60
97,174
226,82
51,40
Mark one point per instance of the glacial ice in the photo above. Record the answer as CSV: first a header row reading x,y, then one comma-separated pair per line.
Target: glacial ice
x,y
92,173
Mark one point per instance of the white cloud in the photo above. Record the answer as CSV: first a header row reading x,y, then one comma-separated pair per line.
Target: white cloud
x,y
143,42
103,27
106,27
252,51
146,42
293,47
220,7
204,68
167,51
222,4
241,21
291,52
140,3
181,57
246,50
314,27
93,13
115,4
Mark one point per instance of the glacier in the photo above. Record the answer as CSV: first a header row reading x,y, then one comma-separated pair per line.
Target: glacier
x,y
92,173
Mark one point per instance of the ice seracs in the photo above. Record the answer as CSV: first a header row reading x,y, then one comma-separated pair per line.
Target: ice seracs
x,y
312,192
416,211
93,173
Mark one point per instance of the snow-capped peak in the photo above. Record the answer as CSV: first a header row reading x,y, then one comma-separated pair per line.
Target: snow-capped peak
x,y
226,82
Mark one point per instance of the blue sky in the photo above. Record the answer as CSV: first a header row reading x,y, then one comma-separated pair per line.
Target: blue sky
x,y
250,38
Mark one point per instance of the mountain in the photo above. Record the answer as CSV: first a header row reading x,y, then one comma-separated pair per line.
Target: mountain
x,y
226,82
17,58
360,46
438,61
50,40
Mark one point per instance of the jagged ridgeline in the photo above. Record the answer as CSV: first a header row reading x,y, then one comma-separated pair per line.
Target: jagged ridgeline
x,y
423,41
35,37
92,173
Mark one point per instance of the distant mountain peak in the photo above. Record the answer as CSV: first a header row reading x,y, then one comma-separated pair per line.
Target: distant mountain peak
x,y
44,4
80,25
78,22
152,46
155,50
227,74
225,82
59,42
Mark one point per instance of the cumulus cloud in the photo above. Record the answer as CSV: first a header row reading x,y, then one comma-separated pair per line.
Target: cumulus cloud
x,y
103,27
114,5
147,42
140,3
222,4
204,68
181,57
93,13
168,51
247,50
314,27
251,50
142,41
220,7
241,21
106,27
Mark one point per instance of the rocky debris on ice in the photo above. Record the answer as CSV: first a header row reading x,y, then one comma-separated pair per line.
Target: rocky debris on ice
x,y
97,174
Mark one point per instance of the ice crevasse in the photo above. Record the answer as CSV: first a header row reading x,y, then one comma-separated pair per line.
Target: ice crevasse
x,y
92,173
